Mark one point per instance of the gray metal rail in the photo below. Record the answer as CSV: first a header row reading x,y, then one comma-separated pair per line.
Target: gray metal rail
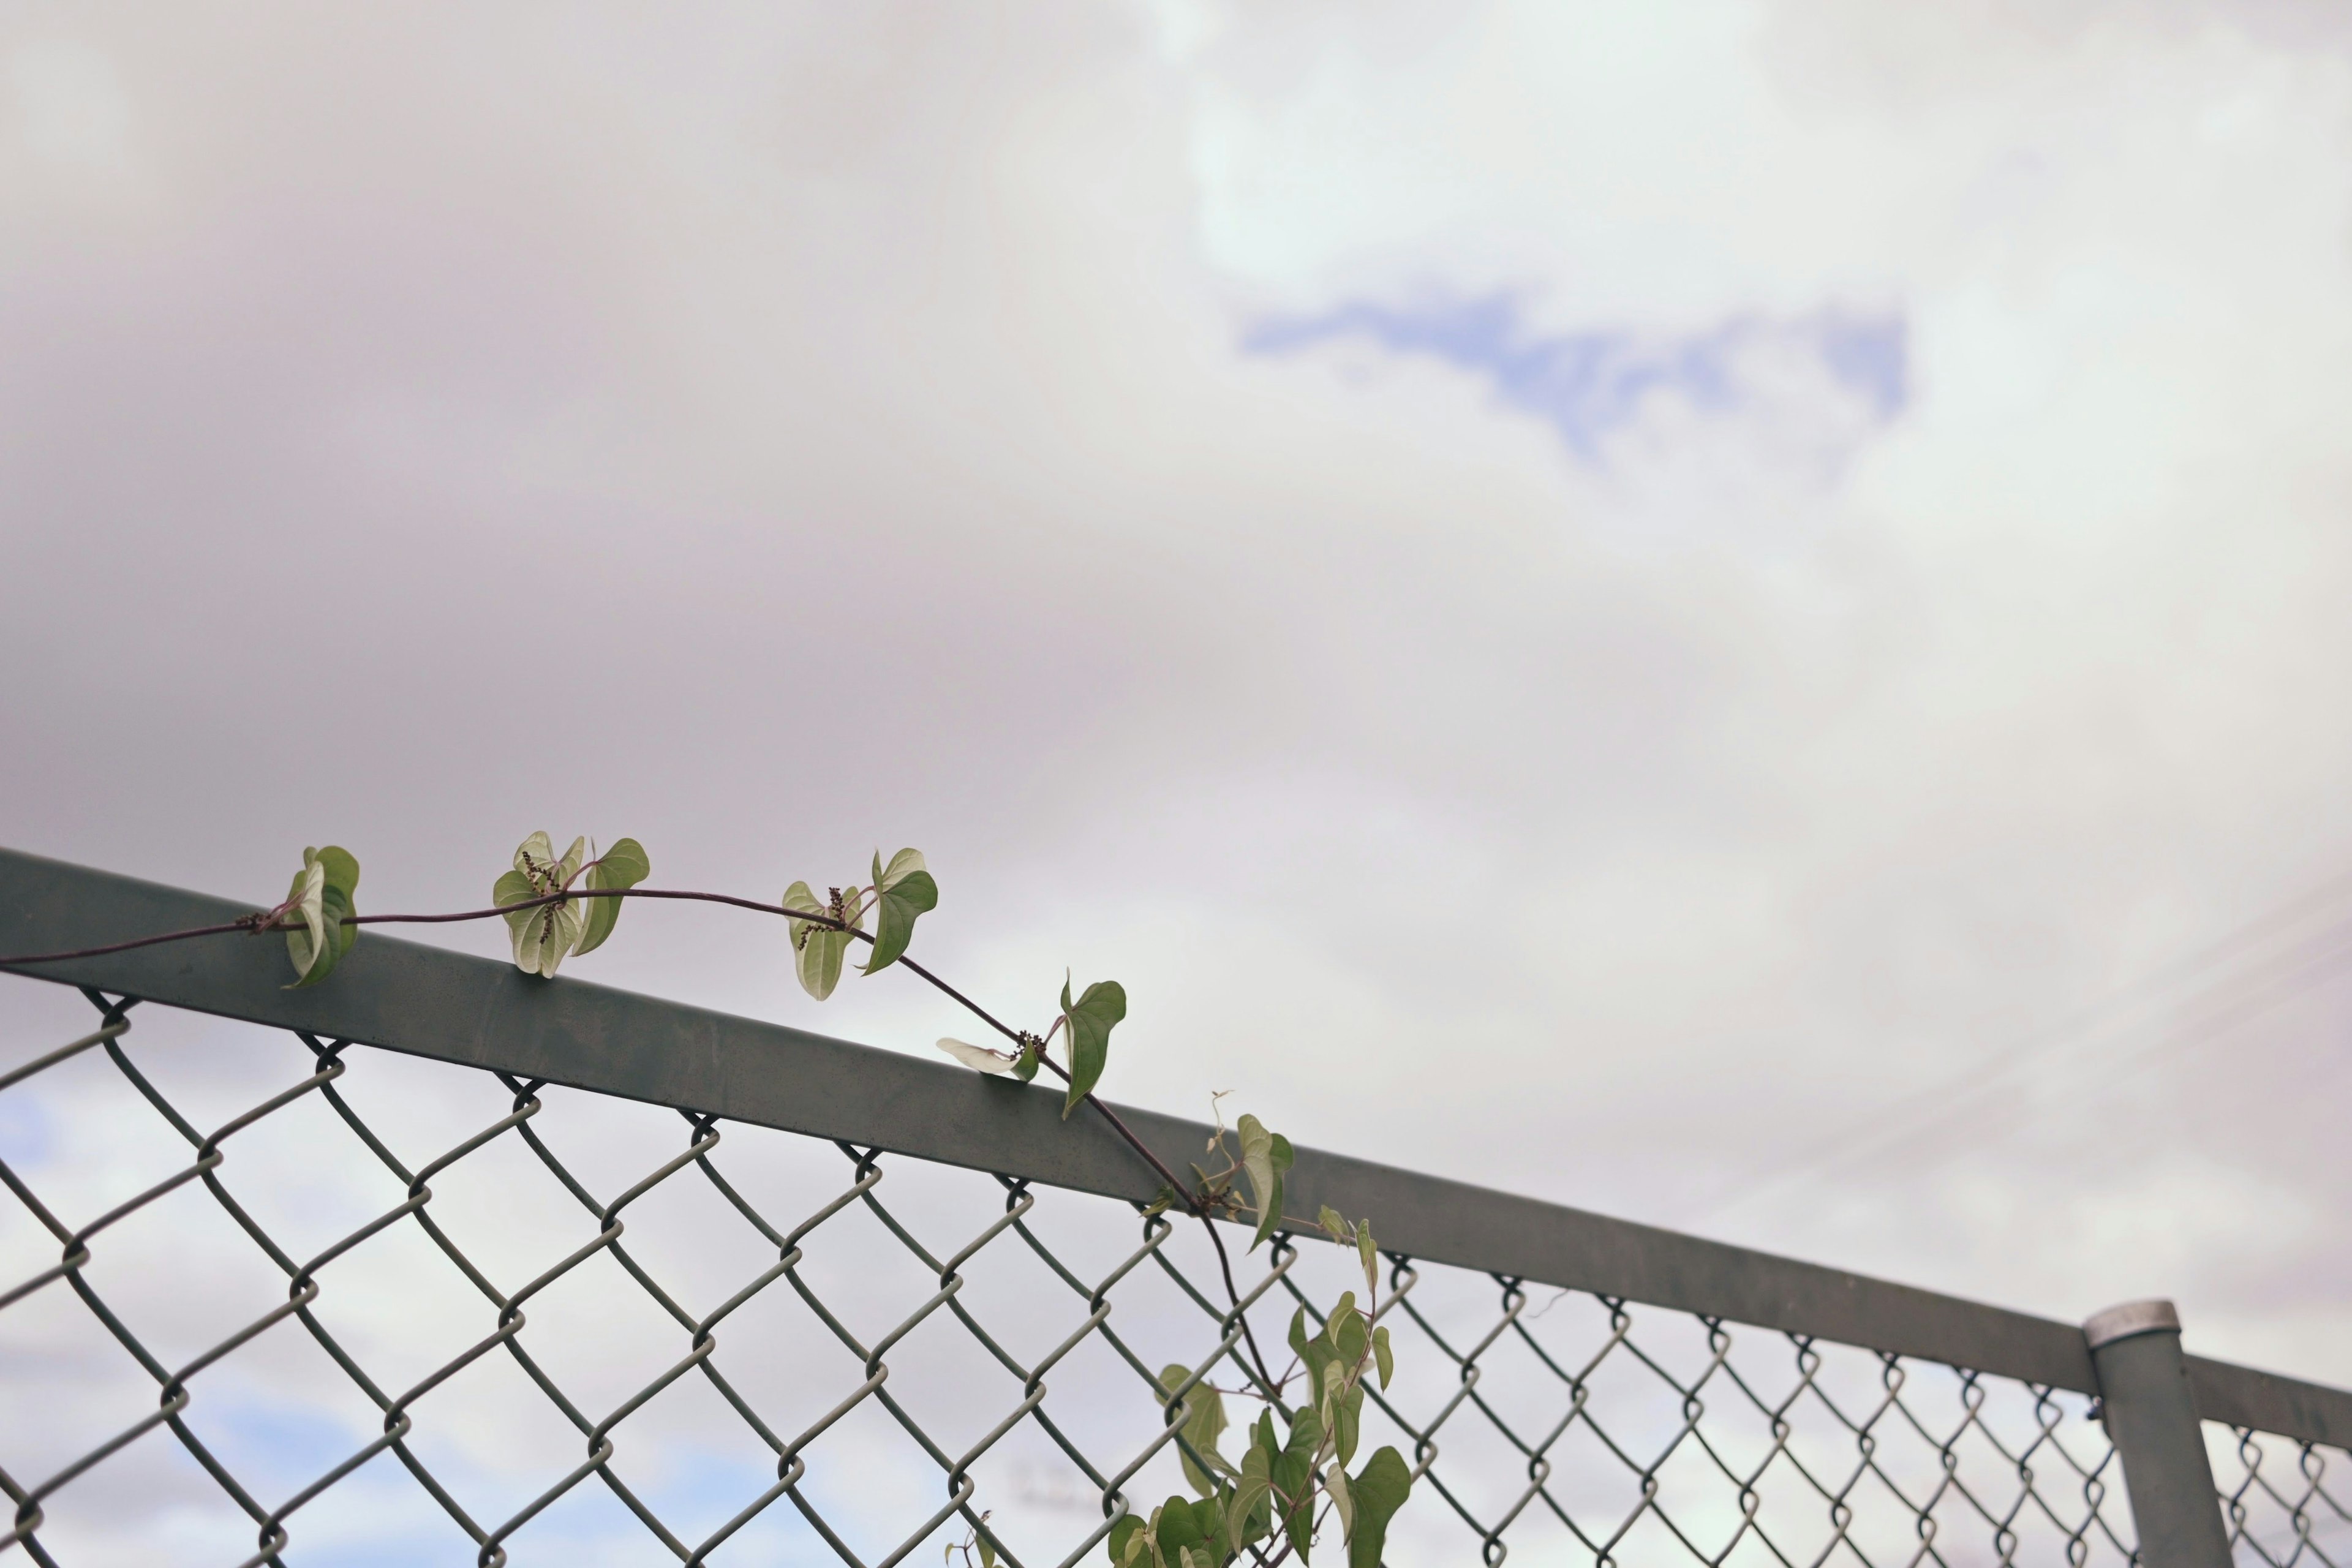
x,y
430,1002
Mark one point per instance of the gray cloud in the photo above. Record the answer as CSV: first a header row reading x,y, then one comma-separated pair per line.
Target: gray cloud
x,y
774,436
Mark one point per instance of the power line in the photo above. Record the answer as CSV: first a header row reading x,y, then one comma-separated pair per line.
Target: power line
x,y
1925,1108
2254,996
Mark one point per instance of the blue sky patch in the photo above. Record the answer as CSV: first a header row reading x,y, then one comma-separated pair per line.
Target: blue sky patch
x,y
1589,383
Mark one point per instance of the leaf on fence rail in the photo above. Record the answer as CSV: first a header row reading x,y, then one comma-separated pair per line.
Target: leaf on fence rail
x,y
624,864
979,1058
323,894
542,935
1265,1156
1088,1022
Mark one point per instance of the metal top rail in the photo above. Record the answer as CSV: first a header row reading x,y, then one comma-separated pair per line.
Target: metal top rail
x,y
430,1002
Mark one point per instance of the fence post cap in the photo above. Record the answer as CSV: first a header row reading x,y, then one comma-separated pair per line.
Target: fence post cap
x,y
2149,1316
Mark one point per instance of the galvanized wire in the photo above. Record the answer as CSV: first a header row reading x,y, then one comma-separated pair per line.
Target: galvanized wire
x,y
2286,1502
508,1319
1568,1426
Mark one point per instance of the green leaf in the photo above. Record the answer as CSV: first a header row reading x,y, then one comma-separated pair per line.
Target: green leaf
x,y
1318,1354
342,882
1348,1416
543,936
1284,1156
624,864
902,891
1334,1384
1179,1527
979,1058
903,865
1257,1163
816,949
1377,1490
1294,1476
1334,1226
1346,1330
987,1551
1025,1068
307,944
1088,1023
1371,1255
1247,1513
1204,1424
322,892
1334,1481
1266,1157
1122,1533
1383,1357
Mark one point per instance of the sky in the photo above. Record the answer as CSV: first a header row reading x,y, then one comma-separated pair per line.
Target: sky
x,y
1728,612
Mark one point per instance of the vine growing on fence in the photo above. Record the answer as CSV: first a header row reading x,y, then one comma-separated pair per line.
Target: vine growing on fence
x,y
1292,1478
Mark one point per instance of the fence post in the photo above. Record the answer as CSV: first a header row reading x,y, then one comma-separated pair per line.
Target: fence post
x,y
2151,1417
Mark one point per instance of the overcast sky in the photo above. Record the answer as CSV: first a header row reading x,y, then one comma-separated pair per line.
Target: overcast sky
x,y
1704,610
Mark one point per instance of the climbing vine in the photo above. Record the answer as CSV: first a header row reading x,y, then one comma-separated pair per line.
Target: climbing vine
x,y
1292,1479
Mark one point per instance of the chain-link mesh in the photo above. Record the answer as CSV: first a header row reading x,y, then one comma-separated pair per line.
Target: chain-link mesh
x,y
412,1322
2285,1501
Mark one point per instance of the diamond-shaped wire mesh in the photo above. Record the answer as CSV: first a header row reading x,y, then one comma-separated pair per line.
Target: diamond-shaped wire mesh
x,y
275,1299
2285,1501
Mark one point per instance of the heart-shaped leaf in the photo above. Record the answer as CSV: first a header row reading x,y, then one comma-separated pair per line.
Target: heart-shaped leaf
x,y
322,893
1204,1424
902,891
1376,1492
1247,1515
1347,1419
1294,1472
1088,1022
1179,1527
1319,1356
1265,1156
1346,1329
817,949
545,934
1334,1481
624,864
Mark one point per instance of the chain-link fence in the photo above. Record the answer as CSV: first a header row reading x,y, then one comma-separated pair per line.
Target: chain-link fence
x,y
2287,1502
268,1296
